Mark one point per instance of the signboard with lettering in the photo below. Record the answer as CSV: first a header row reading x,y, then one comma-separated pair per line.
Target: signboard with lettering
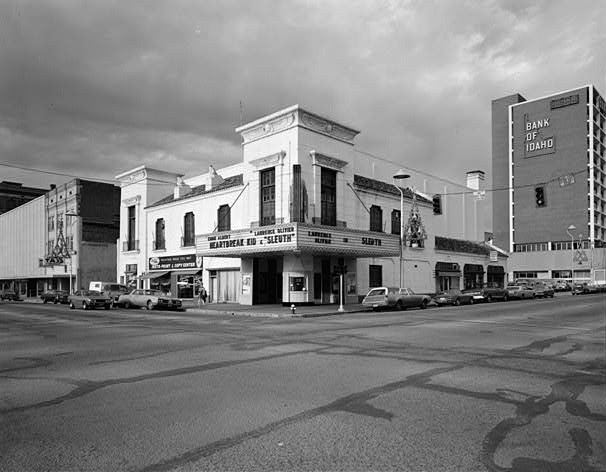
x,y
564,101
538,138
297,237
185,261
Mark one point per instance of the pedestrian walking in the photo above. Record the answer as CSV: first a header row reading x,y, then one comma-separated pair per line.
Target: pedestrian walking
x,y
202,296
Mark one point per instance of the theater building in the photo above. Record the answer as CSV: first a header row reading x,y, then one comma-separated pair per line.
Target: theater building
x,y
302,218
63,239
549,160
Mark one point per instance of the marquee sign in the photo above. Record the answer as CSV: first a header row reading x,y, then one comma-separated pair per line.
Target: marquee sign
x,y
297,237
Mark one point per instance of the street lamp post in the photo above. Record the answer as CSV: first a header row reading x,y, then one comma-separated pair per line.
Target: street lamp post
x,y
401,175
570,229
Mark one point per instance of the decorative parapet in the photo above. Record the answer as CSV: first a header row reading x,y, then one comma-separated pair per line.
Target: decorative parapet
x,y
295,116
460,245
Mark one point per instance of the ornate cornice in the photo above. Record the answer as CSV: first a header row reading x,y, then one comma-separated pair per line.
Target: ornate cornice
x,y
269,161
324,126
323,160
268,128
132,201
291,117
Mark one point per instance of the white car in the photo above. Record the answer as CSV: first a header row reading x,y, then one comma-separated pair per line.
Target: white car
x,y
150,299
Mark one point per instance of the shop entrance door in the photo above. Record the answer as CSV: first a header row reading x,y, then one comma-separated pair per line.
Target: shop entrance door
x,y
267,281
326,280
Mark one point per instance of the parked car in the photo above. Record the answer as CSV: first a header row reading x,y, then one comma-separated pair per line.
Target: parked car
x,y
393,297
89,299
149,299
112,290
55,296
562,286
585,287
494,293
10,295
476,294
453,297
542,290
520,291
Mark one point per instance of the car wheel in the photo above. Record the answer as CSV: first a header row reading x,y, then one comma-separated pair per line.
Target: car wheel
x,y
471,301
149,305
84,306
108,306
489,299
456,302
399,305
423,304
127,305
71,305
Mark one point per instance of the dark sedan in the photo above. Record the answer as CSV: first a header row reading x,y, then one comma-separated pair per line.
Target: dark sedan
x,y
55,296
453,297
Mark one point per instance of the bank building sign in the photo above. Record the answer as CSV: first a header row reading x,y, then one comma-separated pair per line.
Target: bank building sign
x,y
538,138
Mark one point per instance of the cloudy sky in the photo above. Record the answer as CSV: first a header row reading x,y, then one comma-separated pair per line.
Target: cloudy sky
x,y
94,88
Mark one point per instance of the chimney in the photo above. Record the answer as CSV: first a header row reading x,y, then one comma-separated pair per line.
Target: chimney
x,y
181,189
475,180
214,179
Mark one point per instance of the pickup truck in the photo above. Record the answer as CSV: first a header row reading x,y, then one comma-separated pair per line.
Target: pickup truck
x,y
487,294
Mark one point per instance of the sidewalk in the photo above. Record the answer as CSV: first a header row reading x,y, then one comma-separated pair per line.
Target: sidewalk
x,y
268,311
271,311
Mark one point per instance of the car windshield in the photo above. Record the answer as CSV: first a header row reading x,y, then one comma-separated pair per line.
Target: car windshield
x,y
376,291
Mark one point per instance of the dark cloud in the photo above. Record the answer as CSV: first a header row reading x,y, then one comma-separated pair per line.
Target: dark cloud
x,y
97,87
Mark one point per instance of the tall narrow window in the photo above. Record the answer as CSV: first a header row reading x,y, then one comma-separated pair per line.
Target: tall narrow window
x,y
160,241
396,224
132,229
224,218
189,229
328,197
268,197
376,218
297,210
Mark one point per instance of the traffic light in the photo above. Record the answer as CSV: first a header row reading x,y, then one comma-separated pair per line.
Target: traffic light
x,y
539,195
437,205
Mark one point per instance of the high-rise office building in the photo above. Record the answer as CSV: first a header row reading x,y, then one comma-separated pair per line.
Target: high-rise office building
x,y
549,178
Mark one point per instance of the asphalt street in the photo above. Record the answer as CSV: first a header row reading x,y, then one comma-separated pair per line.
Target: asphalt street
x,y
509,386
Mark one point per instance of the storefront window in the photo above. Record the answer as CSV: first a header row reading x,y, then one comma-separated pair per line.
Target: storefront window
x,y
161,283
185,286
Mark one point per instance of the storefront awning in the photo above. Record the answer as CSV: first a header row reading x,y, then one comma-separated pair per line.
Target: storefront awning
x,y
188,272
448,274
473,268
153,275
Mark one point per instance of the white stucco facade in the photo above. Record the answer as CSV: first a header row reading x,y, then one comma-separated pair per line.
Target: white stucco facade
x,y
301,214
